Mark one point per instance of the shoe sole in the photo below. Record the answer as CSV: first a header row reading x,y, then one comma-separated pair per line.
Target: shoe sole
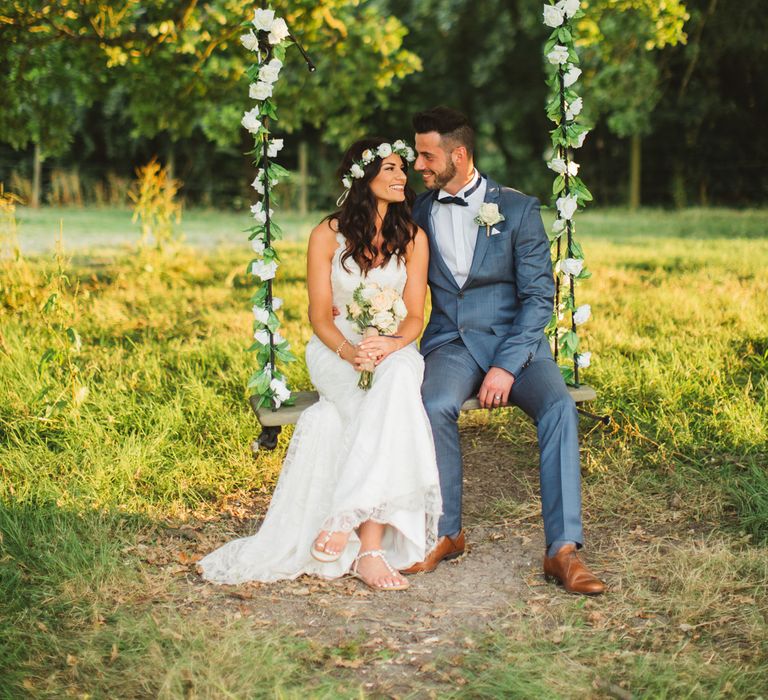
x,y
447,557
323,557
554,579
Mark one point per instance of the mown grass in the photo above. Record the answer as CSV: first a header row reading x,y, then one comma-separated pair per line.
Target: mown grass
x,y
680,348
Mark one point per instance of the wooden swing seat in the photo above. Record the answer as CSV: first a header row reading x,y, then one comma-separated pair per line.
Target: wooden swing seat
x,y
272,420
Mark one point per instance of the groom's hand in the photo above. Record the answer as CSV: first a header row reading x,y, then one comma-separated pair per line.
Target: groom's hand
x,y
494,391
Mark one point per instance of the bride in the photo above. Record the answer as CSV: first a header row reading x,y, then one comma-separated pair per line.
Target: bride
x,y
359,488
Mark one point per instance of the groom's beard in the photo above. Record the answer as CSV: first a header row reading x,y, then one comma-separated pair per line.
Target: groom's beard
x,y
443,178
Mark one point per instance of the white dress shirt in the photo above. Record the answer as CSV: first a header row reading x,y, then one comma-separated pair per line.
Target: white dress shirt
x,y
455,228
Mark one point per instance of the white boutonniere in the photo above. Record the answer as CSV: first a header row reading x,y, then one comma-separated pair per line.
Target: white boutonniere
x,y
489,215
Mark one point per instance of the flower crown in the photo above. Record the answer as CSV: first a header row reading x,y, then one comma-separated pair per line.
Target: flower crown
x,y
384,150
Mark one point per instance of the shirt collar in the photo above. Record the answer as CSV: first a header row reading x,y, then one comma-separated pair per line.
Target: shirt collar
x,y
468,190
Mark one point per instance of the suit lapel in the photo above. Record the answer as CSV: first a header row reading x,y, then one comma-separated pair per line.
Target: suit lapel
x,y
434,249
492,194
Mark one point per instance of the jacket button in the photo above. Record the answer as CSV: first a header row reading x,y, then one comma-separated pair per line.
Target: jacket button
x,y
461,295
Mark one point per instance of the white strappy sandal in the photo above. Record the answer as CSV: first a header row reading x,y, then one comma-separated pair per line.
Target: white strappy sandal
x,y
380,554
321,554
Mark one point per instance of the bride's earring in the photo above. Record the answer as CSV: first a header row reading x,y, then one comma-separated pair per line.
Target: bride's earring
x,y
342,198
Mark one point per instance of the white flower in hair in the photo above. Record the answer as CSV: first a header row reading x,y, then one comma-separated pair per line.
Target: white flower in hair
x,y
260,90
346,182
278,32
356,171
553,16
275,146
250,41
263,19
384,150
368,156
399,145
270,72
410,154
251,121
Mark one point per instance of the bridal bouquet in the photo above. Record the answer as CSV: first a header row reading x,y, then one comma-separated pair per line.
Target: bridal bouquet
x,y
375,310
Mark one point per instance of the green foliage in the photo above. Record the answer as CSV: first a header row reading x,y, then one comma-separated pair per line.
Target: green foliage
x,y
620,42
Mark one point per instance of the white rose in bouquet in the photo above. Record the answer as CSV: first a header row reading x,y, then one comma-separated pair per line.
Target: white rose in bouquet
x,y
354,310
380,302
369,291
385,322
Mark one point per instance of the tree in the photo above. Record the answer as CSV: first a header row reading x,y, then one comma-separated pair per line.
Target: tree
x,y
621,44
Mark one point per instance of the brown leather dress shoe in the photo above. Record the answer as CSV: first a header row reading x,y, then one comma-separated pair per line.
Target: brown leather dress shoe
x,y
446,548
566,568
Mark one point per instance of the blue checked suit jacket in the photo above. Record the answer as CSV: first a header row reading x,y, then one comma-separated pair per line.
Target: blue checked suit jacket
x,y
502,309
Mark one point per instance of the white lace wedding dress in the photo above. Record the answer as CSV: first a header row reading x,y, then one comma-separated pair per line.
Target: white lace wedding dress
x,y
355,455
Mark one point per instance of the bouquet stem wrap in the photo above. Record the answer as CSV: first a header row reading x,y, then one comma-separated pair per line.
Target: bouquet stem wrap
x,y
366,375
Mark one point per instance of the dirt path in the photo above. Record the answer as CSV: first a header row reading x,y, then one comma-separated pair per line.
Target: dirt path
x,y
425,630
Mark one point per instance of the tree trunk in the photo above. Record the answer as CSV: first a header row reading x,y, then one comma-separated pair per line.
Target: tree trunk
x,y
635,171
37,176
303,178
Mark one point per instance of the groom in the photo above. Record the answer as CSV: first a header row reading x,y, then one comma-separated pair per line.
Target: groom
x,y
490,275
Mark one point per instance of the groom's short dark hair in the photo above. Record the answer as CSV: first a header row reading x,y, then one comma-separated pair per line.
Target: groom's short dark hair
x,y
452,125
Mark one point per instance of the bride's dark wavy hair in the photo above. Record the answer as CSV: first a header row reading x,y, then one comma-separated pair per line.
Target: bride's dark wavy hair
x,y
356,217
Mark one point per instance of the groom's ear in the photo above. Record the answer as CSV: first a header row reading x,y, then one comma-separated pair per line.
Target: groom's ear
x,y
459,155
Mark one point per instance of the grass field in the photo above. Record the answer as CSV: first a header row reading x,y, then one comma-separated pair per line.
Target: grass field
x,y
122,410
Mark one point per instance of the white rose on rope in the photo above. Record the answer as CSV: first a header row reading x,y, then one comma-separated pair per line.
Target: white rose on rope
x,y
572,266
567,206
258,246
263,19
278,31
553,16
574,109
561,167
260,90
582,314
260,214
250,41
274,147
558,55
568,7
270,72
264,270
583,359
261,314
571,75
251,121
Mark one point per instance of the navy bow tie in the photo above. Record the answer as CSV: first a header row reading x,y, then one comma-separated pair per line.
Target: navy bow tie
x,y
460,201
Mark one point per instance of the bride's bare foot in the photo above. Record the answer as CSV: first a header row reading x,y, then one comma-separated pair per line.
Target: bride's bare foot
x,y
328,545
375,571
